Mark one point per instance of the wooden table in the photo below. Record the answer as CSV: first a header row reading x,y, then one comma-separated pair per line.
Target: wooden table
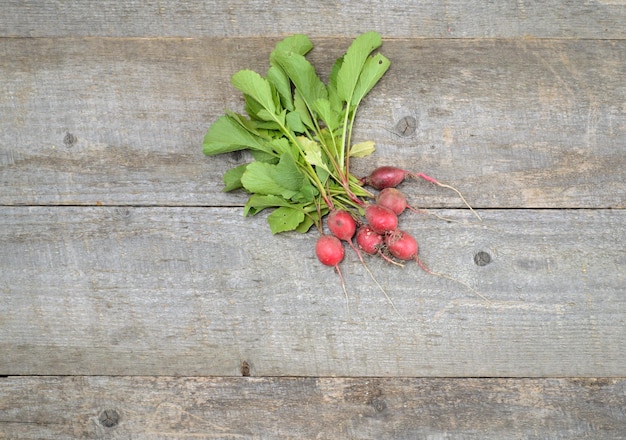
x,y
137,302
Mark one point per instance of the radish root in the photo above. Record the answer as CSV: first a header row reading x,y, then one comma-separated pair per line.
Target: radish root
x,y
376,281
448,277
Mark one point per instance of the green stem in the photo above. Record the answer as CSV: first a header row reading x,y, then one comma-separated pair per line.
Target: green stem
x,y
349,140
308,168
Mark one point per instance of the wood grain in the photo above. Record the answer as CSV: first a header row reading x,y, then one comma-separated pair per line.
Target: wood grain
x,y
196,291
239,18
519,104
307,408
512,123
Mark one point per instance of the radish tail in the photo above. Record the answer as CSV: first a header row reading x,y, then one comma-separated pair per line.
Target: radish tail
x,y
443,185
345,292
462,198
376,281
389,260
426,211
448,277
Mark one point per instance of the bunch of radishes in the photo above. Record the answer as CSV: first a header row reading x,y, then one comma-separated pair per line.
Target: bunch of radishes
x,y
299,132
379,234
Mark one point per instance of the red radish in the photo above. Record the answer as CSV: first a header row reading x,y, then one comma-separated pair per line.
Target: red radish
x,y
382,220
402,245
393,199
368,240
390,177
329,250
385,177
372,243
341,224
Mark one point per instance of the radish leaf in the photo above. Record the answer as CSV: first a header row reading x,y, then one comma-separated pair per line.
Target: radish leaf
x,y
353,62
259,178
374,68
285,219
254,85
226,135
362,149
232,178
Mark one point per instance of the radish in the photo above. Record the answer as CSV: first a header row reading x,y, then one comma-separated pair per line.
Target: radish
x,y
382,220
390,177
385,177
341,224
372,243
393,199
368,240
402,245
329,250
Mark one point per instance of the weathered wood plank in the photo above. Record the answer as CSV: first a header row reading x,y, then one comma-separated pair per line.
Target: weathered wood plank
x,y
195,291
120,121
303,408
241,18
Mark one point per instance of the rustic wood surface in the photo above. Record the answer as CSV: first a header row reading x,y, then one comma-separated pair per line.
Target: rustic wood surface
x,y
133,284
322,408
242,18
196,291
120,121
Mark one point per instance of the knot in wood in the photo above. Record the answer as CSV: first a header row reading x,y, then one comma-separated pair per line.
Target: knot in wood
x,y
406,126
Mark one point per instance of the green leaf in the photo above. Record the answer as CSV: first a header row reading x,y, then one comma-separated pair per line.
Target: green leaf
x,y
302,110
374,68
303,76
298,43
313,153
288,175
281,146
226,134
284,179
353,62
333,96
279,79
254,85
232,178
306,224
258,202
362,149
294,121
285,219
307,193
248,124
259,178
324,110
262,156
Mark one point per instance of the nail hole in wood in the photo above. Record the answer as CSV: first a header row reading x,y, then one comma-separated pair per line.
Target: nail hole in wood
x,y
482,258
245,369
70,140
